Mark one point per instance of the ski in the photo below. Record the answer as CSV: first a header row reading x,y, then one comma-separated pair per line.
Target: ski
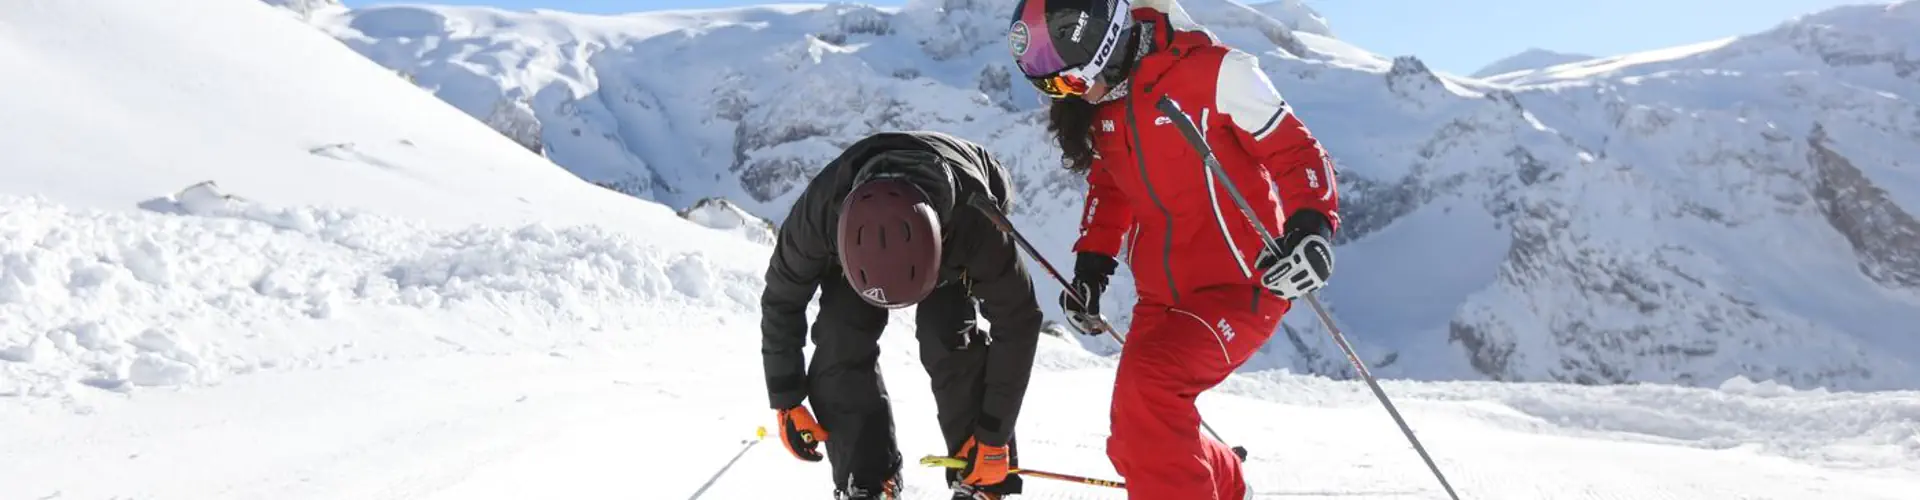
x,y
758,435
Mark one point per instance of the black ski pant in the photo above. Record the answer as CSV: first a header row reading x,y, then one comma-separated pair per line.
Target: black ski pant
x,y
849,396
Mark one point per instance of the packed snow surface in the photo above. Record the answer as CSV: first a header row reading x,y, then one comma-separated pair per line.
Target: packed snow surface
x,y
271,269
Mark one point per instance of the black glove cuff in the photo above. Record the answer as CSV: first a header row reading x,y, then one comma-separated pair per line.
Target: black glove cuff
x,y
1305,222
1093,267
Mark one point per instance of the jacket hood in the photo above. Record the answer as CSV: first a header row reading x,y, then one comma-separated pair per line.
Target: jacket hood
x,y
1173,10
925,169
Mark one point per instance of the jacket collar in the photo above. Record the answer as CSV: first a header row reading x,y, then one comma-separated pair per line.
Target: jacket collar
x,y
1163,42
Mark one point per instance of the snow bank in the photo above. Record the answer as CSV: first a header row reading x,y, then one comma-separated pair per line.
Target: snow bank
x,y
117,300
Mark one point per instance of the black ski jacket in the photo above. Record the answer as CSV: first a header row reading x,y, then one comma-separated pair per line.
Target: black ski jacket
x,y
950,170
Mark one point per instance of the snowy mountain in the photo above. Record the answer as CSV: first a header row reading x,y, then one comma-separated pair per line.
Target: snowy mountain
x,y
1529,59
1778,170
1296,15
1623,219
274,269
305,9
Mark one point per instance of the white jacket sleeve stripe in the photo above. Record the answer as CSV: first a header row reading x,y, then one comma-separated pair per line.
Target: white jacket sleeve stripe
x,y
1271,122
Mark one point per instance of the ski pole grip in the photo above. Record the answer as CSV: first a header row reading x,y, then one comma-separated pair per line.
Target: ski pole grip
x,y
940,461
985,204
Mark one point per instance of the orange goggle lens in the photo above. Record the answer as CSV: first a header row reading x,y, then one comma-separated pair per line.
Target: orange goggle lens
x,y
1061,86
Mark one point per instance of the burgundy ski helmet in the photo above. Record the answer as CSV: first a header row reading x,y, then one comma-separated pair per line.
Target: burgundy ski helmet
x,y
889,242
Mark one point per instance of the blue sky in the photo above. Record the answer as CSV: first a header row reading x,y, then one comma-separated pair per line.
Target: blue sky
x,y
1451,35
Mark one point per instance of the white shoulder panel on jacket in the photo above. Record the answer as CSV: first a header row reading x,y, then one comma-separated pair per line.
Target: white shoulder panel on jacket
x,y
1247,97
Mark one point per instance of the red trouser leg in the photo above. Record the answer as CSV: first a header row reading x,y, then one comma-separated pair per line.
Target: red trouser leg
x,y
1173,353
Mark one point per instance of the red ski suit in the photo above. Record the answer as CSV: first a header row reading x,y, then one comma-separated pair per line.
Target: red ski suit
x,y
1202,311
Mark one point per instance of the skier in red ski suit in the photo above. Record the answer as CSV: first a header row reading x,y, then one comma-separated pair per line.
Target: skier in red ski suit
x,y
1212,290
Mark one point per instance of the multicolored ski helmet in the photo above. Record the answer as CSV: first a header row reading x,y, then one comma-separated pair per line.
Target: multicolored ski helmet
x,y
1062,46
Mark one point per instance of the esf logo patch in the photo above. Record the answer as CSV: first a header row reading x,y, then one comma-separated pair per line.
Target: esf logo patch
x,y
1018,38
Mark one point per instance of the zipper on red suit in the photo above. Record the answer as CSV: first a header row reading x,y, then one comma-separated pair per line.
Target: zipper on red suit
x,y
1140,158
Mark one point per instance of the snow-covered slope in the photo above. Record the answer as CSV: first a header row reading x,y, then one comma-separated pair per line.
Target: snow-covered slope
x,y
1529,59
1615,220
400,322
296,138
354,193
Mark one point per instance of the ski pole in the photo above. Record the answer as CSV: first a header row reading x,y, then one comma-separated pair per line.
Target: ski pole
x,y
1000,220
1199,143
759,434
955,463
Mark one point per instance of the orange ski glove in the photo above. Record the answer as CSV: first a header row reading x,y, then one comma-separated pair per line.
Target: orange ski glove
x,y
801,434
986,464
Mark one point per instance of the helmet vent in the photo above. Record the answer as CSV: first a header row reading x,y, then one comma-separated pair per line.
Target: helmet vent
x,y
863,276
883,237
913,272
906,231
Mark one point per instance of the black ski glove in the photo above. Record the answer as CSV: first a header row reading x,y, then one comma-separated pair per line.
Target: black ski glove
x,y
1302,260
1090,274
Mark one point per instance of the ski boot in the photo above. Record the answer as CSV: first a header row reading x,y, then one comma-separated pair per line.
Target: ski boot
x,y
889,490
964,492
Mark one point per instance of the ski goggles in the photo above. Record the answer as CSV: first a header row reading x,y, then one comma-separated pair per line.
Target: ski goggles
x,y
1061,86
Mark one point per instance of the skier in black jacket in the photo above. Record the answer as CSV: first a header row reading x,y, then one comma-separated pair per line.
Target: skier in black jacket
x,y
885,226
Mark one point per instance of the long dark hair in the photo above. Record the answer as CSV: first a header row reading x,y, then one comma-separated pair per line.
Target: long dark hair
x,y
1071,121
